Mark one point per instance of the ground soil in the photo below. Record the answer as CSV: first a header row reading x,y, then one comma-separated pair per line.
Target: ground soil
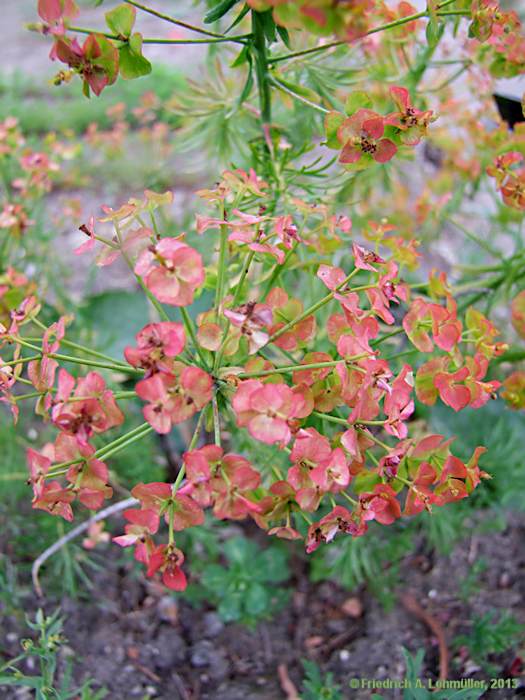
x,y
139,642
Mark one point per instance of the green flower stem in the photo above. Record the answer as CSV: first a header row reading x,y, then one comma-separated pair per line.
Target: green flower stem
x,y
238,289
221,270
281,86
104,452
476,239
375,439
298,368
115,37
344,421
216,421
140,430
178,22
364,287
21,360
451,78
330,419
490,283
459,13
277,271
32,395
404,481
246,267
374,30
472,269
188,325
307,519
191,446
261,68
154,301
81,361
94,353
392,334
171,536
372,457
405,353
118,395
240,39
82,348
349,498
24,381
315,307
513,354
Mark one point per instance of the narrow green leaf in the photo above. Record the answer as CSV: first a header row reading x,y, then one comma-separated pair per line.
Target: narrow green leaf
x,y
219,11
434,32
285,36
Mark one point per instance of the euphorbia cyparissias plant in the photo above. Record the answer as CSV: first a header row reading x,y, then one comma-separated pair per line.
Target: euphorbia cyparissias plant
x,y
342,413
322,381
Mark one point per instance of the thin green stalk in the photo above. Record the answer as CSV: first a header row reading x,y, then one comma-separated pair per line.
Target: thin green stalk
x,y
188,325
80,361
277,271
392,334
216,421
106,451
261,68
31,395
117,448
331,419
344,421
171,536
289,368
298,367
372,456
374,30
450,79
115,37
142,428
82,348
178,22
21,360
154,301
349,498
451,13
400,354
376,440
236,295
280,86
221,270
312,309
191,446
476,239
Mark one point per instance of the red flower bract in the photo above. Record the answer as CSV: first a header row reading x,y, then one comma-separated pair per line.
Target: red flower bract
x,y
172,271
157,344
268,409
173,398
362,134
167,559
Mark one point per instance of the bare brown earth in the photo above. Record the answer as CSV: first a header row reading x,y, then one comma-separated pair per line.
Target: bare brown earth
x,y
138,642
